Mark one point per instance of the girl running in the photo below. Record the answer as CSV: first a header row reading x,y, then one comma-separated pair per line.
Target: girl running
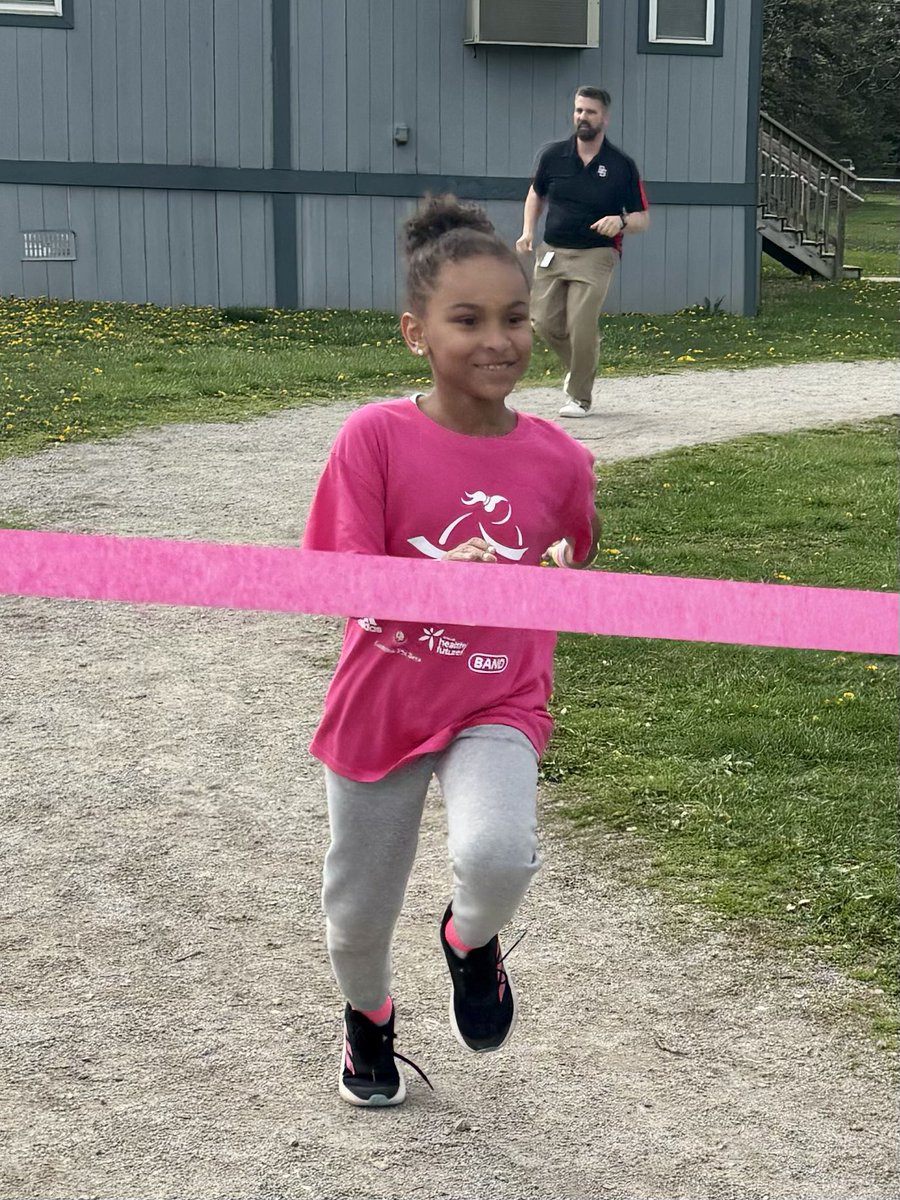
x,y
453,474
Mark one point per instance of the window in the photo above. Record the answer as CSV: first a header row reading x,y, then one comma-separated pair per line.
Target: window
x,y
682,21
46,13
681,27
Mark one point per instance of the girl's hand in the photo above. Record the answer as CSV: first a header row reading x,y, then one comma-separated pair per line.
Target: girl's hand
x,y
474,550
560,554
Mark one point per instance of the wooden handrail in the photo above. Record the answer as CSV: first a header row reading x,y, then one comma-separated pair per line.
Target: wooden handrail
x,y
808,146
804,187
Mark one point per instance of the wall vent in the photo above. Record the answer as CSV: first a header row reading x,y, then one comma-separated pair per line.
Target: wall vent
x,y
48,245
573,23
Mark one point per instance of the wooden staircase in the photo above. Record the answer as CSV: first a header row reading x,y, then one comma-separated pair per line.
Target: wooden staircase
x,y
803,198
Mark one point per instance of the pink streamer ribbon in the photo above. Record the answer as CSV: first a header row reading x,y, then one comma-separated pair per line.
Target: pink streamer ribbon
x,y
278,579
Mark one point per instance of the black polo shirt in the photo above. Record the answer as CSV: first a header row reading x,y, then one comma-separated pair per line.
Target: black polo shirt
x,y
579,194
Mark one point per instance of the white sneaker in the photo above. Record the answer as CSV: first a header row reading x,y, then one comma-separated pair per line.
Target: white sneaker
x,y
572,408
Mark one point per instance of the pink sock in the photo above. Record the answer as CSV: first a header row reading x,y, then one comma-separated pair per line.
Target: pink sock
x,y
454,940
379,1016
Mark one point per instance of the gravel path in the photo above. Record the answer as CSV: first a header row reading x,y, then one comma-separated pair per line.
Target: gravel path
x,y
169,1022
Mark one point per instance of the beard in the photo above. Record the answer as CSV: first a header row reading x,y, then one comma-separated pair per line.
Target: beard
x,y
585,132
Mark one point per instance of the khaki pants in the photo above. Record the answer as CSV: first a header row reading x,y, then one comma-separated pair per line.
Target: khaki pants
x,y
566,300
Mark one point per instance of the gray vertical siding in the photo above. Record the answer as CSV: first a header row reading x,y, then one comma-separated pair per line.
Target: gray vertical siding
x,y
156,228
177,82
425,61
404,81
387,278
202,76
154,106
179,85
132,228
11,283
165,247
54,79
308,150
129,65
189,82
361,108
9,98
35,279
103,68
30,77
312,251
331,101
365,65
173,248
729,114
108,233
172,81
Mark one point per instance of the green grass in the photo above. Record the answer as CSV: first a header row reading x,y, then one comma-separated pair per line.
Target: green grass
x,y
873,234
762,780
70,371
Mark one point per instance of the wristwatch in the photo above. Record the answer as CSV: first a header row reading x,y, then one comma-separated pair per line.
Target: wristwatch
x,y
623,219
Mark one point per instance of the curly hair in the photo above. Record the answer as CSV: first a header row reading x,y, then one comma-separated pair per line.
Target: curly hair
x,y
443,230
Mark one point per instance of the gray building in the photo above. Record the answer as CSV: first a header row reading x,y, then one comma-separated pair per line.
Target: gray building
x,y
263,152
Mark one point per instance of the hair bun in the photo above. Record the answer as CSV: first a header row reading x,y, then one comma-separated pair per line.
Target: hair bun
x,y
439,215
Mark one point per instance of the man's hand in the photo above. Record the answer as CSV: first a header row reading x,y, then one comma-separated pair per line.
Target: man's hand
x,y
525,244
474,550
610,226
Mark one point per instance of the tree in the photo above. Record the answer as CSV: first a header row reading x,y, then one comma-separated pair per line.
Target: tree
x,y
831,72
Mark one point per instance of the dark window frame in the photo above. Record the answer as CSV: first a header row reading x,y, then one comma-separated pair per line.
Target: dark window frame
x,y
41,20
710,50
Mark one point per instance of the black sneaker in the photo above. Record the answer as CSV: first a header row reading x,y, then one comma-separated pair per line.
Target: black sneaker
x,y
369,1075
483,1004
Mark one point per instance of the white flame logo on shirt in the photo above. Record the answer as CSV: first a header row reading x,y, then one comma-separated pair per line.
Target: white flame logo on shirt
x,y
489,505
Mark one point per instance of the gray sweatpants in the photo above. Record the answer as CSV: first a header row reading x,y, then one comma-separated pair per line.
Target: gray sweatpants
x,y
488,778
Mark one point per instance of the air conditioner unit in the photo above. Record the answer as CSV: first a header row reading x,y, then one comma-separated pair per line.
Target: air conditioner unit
x,y
573,23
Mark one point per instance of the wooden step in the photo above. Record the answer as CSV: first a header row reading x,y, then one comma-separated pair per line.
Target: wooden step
x,y
784,247
851,271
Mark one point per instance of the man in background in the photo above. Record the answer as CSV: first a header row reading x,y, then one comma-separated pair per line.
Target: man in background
x,y
593,196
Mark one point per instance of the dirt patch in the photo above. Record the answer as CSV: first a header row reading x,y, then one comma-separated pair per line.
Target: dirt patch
x,y
169,1020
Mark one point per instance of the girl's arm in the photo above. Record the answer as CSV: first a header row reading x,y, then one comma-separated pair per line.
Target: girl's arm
x,y
560,553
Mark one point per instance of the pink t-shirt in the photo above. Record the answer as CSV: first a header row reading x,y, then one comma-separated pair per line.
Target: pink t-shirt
x,y
399,484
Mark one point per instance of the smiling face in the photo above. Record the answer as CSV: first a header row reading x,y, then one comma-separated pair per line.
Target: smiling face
x,y
589,119
476,329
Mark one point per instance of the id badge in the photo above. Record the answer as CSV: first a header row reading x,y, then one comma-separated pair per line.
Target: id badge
x,y
547,259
